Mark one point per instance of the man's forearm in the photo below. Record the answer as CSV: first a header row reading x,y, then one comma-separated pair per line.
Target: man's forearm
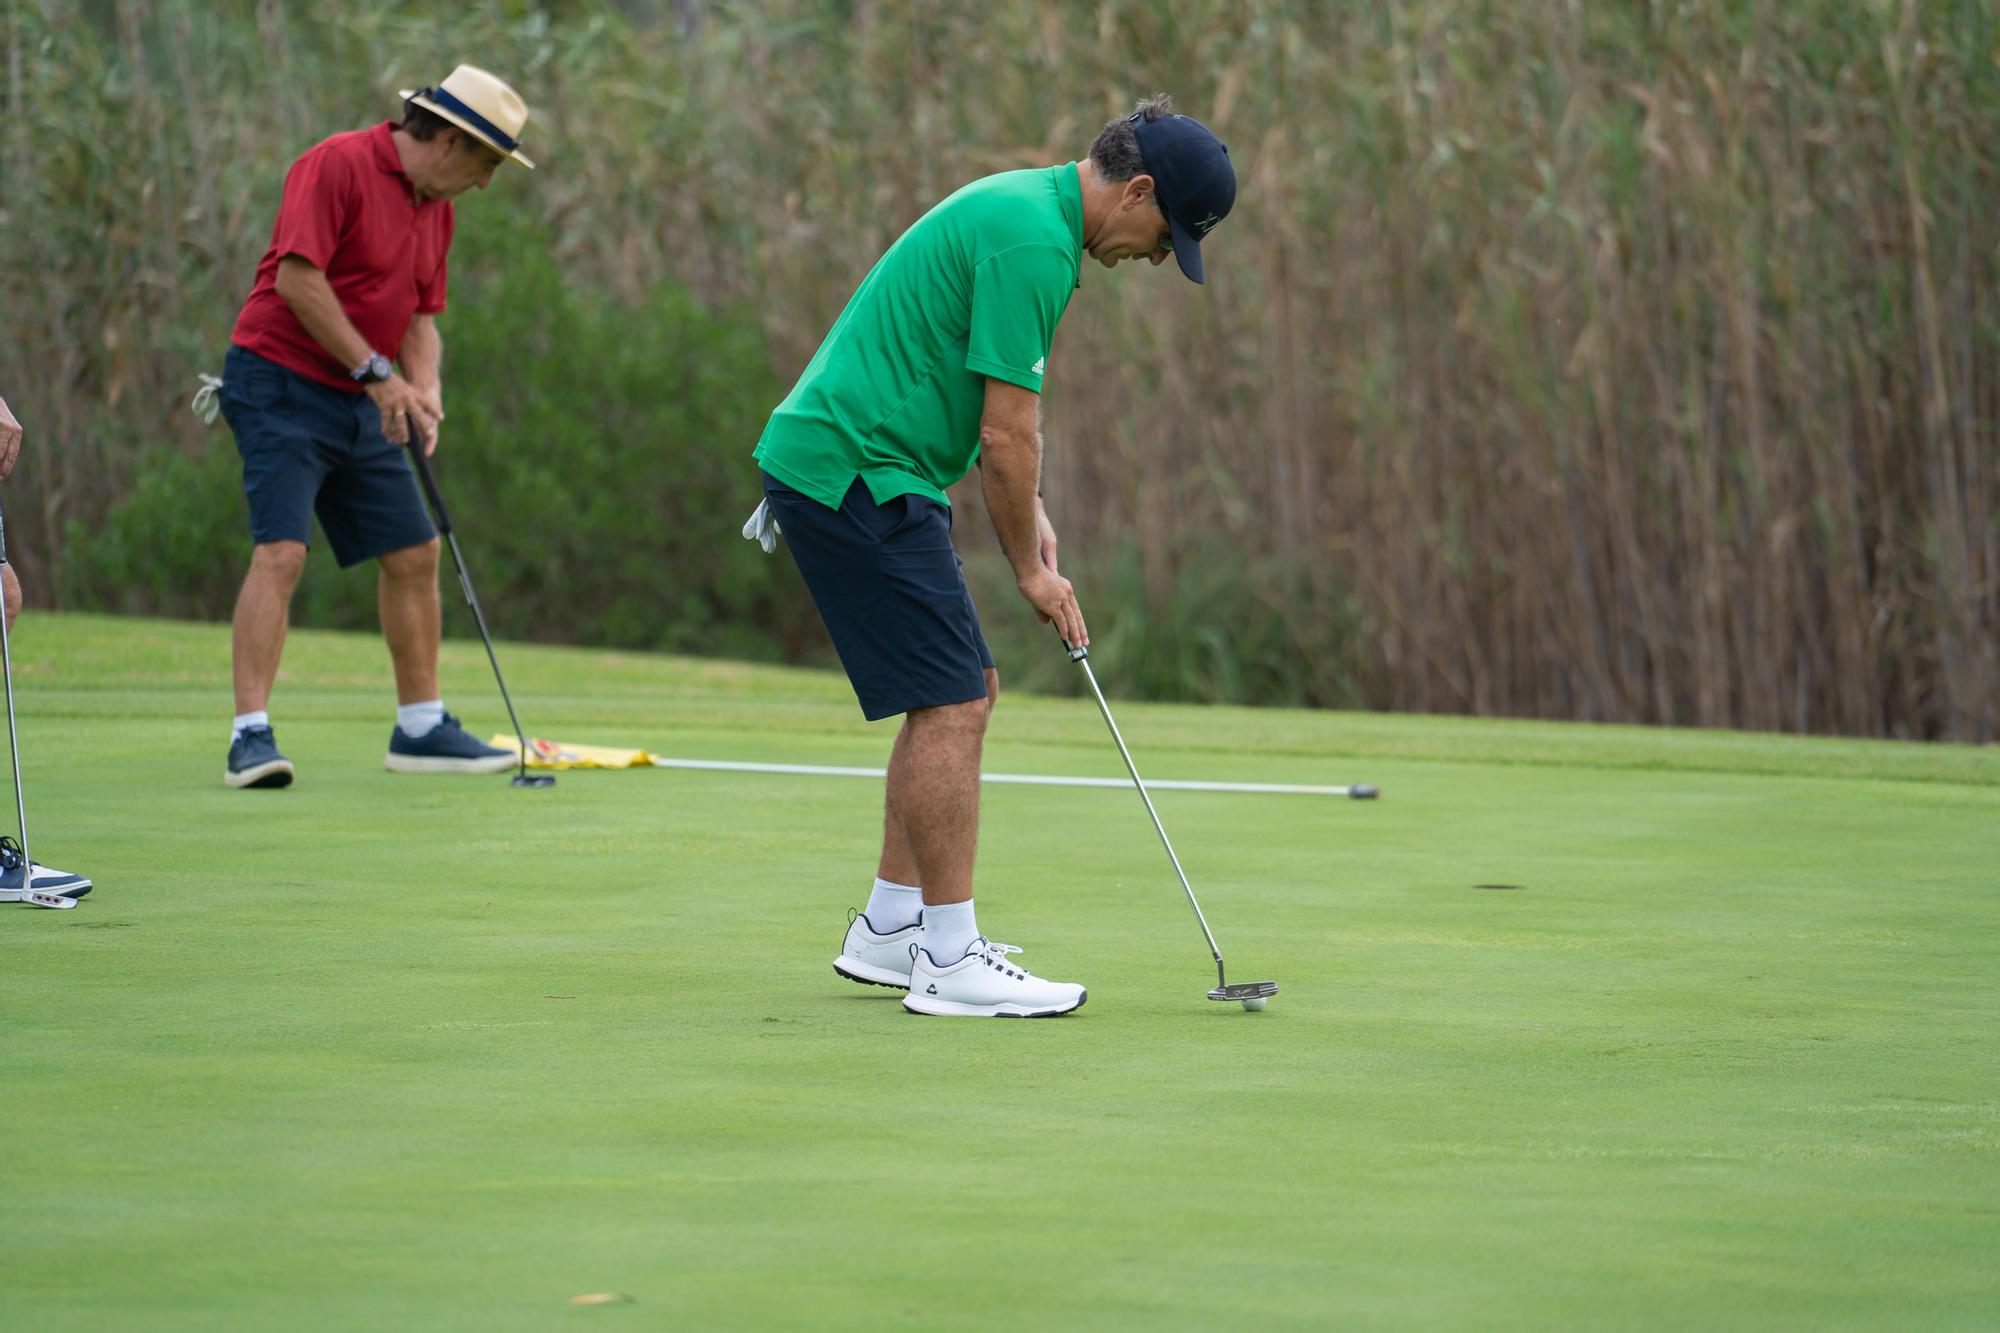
x,y
310,296
1010,467
422,354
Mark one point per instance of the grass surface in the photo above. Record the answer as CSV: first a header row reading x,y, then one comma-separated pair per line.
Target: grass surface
x,y
387,1051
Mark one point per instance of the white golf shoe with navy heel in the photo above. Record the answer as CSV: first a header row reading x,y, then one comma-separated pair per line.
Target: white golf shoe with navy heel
x,y
877,960
984,984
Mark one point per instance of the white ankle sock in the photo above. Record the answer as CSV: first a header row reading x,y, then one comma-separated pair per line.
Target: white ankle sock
x,y
949,931
245,721
419,720
892,906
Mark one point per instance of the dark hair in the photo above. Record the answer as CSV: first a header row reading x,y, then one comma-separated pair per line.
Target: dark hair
x,y
1114,154
423,125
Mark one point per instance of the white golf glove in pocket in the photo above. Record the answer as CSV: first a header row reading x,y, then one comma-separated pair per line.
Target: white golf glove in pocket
x,y
205,404
762,527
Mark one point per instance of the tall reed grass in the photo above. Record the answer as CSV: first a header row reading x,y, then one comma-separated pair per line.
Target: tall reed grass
x,y
1628,362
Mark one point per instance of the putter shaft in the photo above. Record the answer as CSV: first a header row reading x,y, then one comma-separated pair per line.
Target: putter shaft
x,y
443,517
1081,656
485,637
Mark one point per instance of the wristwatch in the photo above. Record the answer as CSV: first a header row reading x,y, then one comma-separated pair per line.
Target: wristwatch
x,y
372,371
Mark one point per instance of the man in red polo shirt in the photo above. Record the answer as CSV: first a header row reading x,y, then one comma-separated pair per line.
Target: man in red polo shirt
x,y
349,291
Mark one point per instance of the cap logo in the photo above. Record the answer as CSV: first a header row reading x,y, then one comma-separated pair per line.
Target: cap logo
x,y
1206,224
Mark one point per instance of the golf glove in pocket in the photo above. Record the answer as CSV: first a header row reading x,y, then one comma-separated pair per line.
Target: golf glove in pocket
x,y
205,405
762,527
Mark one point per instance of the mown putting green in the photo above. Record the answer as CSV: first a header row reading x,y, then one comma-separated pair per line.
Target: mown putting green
x,y
383,1051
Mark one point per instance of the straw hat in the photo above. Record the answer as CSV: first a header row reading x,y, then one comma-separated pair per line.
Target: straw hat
x,y
481,105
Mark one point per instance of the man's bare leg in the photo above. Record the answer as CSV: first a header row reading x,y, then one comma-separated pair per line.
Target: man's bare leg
x,y
956,973
930,831
939,798
263,614
899,864
407,591
426,739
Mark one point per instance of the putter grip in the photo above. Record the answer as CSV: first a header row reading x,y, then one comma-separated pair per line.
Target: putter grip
x,y
429,483
1076,654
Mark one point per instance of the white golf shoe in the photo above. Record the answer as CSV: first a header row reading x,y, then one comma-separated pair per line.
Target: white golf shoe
x,y
877,960
983,984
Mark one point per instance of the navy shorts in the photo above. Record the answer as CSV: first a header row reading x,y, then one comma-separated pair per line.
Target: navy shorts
x,y
892,593
308,448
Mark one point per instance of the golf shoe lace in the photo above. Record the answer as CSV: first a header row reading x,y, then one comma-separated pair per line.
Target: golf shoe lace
x,y
994,954
990,952
12,858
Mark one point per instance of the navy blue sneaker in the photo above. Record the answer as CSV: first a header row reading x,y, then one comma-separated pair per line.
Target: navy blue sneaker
x,y
444,749
254,761
14,885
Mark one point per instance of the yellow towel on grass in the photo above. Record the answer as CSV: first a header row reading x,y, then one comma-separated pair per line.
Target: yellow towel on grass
x,y
562,754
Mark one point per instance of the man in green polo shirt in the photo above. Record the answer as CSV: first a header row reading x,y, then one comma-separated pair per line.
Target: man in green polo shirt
x,y
936,364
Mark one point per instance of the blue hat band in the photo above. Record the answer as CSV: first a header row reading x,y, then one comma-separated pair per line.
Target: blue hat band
x,y
446,102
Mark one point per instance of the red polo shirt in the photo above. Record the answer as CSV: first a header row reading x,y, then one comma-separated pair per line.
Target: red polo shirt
x,y
351,213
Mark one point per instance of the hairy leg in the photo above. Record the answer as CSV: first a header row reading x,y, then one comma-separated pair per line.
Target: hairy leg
x,y
408,592
263,614
935,795
898,864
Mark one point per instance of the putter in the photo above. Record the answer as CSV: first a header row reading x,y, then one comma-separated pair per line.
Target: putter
x,y
29,894
522,777
1250,994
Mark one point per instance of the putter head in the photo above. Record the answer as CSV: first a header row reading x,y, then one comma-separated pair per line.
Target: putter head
x,y
1238,991
53,901
533,780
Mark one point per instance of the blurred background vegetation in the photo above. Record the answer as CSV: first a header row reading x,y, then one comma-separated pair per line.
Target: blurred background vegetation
x,y
1628,362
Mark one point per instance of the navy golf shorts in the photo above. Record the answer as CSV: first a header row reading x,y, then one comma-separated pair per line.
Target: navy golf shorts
x,y
892,594
312,449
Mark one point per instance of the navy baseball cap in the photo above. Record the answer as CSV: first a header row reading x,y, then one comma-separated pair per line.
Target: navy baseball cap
x,y
1192,176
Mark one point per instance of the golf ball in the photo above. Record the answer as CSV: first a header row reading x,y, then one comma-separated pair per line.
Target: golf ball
x,y
1256,1002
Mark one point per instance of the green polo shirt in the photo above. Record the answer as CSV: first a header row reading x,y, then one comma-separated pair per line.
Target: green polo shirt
x,y
974,289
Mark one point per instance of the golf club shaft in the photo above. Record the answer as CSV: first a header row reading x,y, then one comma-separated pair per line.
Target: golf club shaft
x,y
13,737
485,637
429,482
1104,708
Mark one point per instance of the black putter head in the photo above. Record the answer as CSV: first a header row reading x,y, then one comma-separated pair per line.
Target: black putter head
x,y
527,779
1237,991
